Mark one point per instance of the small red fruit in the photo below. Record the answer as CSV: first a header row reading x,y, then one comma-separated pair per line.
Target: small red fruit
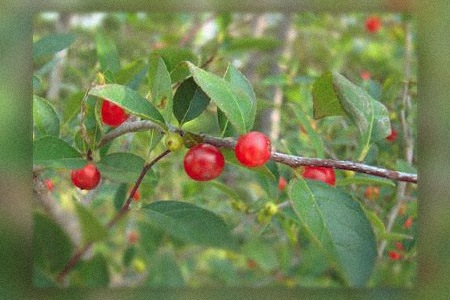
x,y
282,183
133,237
203,162
325,174
49,184
137,196
408,222
394,255
253,149
365,75
112,114
393,136
373,24
86,178
399,246
372,192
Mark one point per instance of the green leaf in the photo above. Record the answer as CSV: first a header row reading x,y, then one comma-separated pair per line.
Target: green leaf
x,y
124,167
42,279
338,226
268,170
226,129
72,107
262,253
51,44
376,222
165,271
120,196
91,228
236,106
160,86
151,237
132,74
94,273
249,43
395,236
173,58
107,53
189,101
128,99
52,247
333,95
45,119
51,151
365,180
128,256
190,223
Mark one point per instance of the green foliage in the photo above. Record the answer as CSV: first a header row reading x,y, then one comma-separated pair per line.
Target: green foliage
x,y
45,119
91,228
51,44
53,152
189,101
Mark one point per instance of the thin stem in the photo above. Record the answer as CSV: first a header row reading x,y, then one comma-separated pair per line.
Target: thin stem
x,y
125,208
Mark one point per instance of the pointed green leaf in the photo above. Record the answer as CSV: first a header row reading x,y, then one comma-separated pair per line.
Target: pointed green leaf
x,y
45,119
189,101
107,53
173,58
52,247
50,151
124,167
51,44
160,86
132,74
94,272
91,228
190,223
235,104
128,99
338,226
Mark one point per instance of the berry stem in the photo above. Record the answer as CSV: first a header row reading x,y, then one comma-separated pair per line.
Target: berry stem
x,y
125,208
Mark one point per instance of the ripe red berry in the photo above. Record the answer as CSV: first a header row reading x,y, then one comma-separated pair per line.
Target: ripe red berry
x,y
394,255
365,75
408,222
373,24
49,184
137,196
203,162
112,114
372,192
253,149
393,136
282,183
324,174
133,237
399,246
86,178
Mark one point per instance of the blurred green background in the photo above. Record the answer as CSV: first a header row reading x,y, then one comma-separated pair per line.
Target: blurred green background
x,y
15,86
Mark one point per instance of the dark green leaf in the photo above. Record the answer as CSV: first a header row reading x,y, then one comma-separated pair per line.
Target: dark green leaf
x,y
45,119
91,228
94,273
189,101
50,151
160,86
190,223
237,107
107,53
129,99
338,226
123,167
52,247
51,44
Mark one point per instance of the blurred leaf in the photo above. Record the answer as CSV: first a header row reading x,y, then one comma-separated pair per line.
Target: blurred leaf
x,y
128,256
52,247
51,151
52,43
188,222
365,180
94,272
123,167
107,53
338,226
91,228
402,165
150,238
238,110
262,253
333,95
45,119
160,86
173,56
251,43
128,99
230,157
132,74
41,279
120,196
394,236
189,101
37,83
376,222
165,271
72,106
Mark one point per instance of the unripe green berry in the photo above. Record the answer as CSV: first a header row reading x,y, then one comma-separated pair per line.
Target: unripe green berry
x,y
270,209
173,141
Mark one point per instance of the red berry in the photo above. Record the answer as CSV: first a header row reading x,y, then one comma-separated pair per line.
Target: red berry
x,y
253,149
282,183
373,24
203,162
324,174
49,184
393,136
86,178
399,246
372,192
365,75
112,114
394,255
408,222
137,196
133,237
